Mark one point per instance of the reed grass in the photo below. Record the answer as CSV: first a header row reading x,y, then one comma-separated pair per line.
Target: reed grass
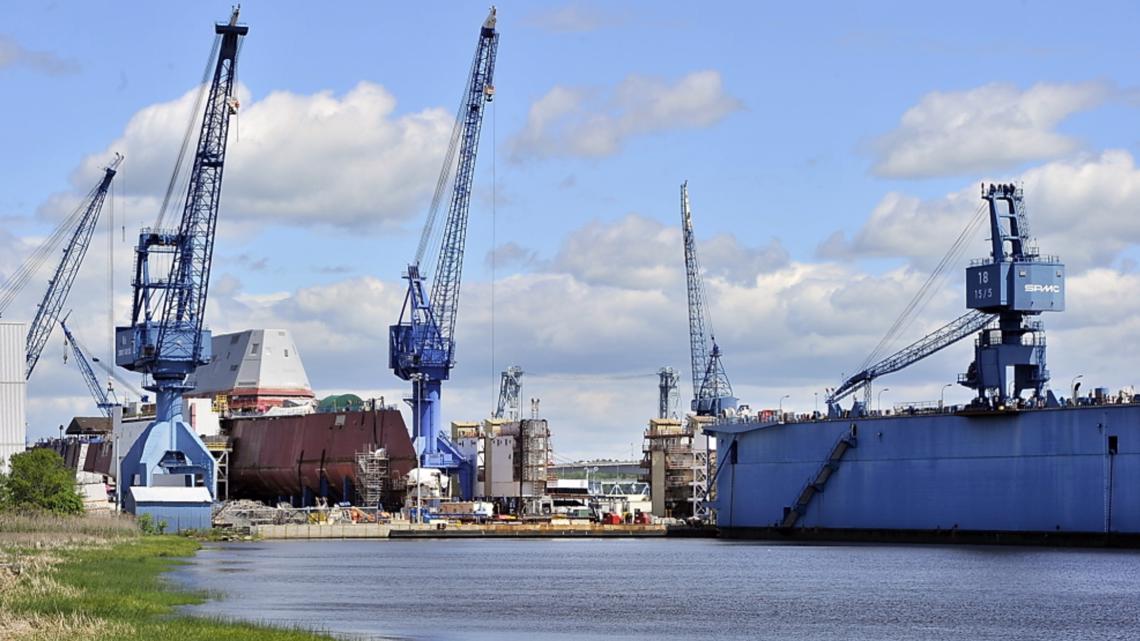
x,y
100,579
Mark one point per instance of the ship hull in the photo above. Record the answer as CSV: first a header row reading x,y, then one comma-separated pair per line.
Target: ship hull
x,y
1041,475
298,458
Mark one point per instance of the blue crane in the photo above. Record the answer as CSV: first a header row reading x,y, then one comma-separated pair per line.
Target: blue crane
x,y
712,393
104,398
165,340
1004,292
48,313
422,344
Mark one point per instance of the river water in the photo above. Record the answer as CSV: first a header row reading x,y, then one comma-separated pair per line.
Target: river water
x,y
653,589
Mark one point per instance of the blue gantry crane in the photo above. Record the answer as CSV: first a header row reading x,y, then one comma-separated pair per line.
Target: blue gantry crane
x,y
48,312
712,392
165,340
1005,293
422,343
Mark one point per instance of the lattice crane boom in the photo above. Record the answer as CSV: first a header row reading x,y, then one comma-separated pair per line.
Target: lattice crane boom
x,y
422,343
941,338
104,398
50,308
712,392
166,340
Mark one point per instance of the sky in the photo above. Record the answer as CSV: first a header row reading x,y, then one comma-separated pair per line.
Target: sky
x,y
833,153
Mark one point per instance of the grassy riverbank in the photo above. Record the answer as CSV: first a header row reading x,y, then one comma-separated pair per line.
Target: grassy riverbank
x,y
97,578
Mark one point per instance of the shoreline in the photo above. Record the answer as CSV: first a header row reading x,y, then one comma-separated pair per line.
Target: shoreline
x,y
86,579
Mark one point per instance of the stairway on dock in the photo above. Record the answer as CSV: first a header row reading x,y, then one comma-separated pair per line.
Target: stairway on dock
x,y
815,485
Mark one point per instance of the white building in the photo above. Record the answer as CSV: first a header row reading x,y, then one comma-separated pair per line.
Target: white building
x,y
13,390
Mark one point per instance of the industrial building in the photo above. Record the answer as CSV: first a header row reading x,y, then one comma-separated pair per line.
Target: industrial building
x,y
13,391
676,465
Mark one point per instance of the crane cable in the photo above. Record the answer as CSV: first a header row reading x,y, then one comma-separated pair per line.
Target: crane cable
x,y
494,231
32,264
925,293
177,178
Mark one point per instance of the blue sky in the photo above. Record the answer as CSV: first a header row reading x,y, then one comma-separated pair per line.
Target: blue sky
x,y
792,124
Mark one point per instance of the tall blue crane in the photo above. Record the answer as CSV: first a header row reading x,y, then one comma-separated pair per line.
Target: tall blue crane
x,y
165,340
712,393
1005,293
422,343
105,398
48,312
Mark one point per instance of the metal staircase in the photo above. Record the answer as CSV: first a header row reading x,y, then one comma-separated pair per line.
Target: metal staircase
x,y
816,484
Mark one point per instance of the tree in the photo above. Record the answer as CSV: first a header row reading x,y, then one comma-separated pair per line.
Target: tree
x,y
40,480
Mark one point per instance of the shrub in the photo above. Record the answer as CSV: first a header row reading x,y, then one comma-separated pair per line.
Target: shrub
x,y
39,480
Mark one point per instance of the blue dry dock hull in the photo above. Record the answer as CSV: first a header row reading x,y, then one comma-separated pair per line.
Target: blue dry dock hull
x,y
1034,474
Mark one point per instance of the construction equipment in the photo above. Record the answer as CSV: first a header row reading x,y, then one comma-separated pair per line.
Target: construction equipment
x,y
422,344
105,397
84,219
165,340
667,392
712,393
1010,286
510,389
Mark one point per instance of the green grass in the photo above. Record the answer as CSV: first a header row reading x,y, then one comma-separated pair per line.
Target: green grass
x,y
115,592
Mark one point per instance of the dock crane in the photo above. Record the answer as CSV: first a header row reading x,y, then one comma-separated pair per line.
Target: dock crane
x,y
712,393
50,307
166,341
1004,292
105,397
510,389
422,343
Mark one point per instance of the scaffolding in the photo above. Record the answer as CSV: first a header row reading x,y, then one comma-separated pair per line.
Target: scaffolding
x,y
676,463
372,471
534,455
221,448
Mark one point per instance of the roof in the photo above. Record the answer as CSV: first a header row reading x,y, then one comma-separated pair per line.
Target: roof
x,y
89,425
254,359
161,494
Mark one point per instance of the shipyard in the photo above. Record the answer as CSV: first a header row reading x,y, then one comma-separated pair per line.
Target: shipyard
x,y
641,331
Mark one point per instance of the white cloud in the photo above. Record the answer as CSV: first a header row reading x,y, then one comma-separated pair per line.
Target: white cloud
x,y
13,54
593,122
637,252
572,18
1083,210
991,127
318,159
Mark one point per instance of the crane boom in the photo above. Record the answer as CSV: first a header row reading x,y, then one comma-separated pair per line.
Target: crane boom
x,y
102,396
712,392
47,315
166,340
941,338
422,343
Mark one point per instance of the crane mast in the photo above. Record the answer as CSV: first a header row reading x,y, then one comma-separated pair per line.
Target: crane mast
x,y
165,340
712,393
422,344
48,313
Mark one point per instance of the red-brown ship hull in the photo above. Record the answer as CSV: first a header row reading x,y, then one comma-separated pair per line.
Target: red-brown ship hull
x,y
297,457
